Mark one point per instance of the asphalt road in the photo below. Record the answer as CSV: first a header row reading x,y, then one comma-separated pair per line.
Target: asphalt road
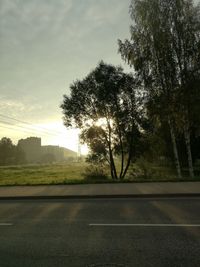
x,y
129,232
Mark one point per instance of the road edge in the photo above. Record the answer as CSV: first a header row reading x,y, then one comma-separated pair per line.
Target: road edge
x,y
115,196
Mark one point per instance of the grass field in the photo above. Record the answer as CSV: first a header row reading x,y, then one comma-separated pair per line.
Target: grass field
x,y
42,174
68,173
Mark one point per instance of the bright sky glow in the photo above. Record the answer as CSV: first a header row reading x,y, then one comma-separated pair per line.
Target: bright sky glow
x,y
44,46
66,138
101,122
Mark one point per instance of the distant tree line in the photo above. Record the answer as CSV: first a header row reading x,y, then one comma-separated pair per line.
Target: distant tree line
x,y
153,113
10,154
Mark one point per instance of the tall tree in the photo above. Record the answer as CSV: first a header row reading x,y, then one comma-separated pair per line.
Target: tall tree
x,y
104,107
185,31
158,49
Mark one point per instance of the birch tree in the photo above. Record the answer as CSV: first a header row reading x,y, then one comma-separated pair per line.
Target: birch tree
x,y
164,51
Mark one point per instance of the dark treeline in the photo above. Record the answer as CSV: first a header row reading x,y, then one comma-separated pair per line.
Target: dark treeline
x,y
164,50
9,153
152,114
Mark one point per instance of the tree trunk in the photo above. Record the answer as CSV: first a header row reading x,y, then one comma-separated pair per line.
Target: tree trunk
x,y
122,156
188,147
112,162
130,154
175,150
127,166
111,172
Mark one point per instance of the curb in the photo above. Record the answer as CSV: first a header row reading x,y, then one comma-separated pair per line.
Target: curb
x,y
134,196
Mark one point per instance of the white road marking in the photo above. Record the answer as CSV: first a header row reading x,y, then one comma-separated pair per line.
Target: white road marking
x,y
6,224
142,225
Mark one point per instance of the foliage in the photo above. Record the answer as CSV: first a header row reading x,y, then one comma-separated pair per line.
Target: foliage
x,y
72,173
9,153
164,50
145,170
105,108
95,172
6,151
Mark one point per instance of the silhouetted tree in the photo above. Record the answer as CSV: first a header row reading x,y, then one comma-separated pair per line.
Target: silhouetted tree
x,y
105,108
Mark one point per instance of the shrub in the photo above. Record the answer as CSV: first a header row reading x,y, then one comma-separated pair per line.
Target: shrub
x,y
95,173
145,170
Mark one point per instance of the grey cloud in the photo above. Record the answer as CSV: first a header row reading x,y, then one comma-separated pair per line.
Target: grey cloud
x,y
25,20
46,44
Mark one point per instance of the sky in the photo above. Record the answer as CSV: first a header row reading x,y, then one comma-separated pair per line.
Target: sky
x,y
45,45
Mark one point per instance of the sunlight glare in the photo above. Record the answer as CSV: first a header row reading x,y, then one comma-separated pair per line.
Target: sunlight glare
x,y
63,137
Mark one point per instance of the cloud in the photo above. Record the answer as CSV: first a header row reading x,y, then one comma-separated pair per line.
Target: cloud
x,y
46,44
6,105
24,20
24,108
101,13
32,26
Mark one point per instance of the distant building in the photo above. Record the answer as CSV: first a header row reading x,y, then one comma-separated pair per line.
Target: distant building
x,y
69,155
55,151
36,153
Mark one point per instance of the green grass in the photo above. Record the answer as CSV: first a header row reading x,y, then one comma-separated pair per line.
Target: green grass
x,y
42,174
71,173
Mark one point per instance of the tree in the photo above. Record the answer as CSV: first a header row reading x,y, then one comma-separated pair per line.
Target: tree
x,y
185,33
163,50
105,108
6,151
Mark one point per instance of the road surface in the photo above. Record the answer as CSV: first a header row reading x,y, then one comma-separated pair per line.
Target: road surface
x,y
96,232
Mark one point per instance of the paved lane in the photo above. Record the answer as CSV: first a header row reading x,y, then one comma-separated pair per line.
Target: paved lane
x,y
83,232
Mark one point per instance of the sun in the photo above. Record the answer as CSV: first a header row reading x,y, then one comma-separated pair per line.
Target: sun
x,y
102,122
69,138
